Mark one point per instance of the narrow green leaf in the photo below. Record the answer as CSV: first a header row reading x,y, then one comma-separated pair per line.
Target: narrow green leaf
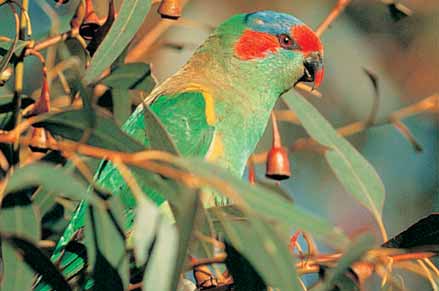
x,y
131,76
109,240
351,168
121,104
160,269
264,248
53,179
17,218
144,229
105,133
157,133
185,212
267,203
35,259
130,17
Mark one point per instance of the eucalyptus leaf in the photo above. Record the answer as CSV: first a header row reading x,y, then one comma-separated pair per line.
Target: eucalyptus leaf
x,y
18,218
159,272
53,179
121,104
105,133
351,168
266,203
144,229
36,260
131,76
265,250
157,134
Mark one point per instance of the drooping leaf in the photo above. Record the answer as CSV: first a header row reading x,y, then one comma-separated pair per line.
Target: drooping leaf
x,y
265,250
35,259
185,213
17,218
131,76
109,241
355,251
121,104
105,133
130,17
266,203
157,134
53,179
144,229
423,235
161,265
351,168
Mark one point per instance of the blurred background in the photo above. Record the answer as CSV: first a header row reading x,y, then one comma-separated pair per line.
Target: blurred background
x,y
404,56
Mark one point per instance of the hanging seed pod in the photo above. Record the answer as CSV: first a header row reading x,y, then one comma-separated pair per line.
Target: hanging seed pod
x,y
40,137
40,140
278,164
91,22
170,9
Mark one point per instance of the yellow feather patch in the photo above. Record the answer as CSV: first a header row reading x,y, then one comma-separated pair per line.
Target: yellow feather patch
x,y
216,149
209,103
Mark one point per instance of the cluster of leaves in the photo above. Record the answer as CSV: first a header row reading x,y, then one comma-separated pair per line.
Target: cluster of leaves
x,y
38,190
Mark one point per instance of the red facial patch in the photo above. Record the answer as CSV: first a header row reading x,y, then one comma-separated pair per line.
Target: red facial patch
x,y
306,39
254,44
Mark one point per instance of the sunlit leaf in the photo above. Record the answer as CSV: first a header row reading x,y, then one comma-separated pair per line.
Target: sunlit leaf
x,y
144,229
161,265
351,168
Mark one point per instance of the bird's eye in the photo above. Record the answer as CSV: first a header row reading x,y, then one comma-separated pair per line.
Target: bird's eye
x,y
286,42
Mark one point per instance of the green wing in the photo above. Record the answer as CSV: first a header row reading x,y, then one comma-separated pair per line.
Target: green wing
x,y
183,116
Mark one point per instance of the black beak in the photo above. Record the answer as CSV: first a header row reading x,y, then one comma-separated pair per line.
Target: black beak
x,y
313,69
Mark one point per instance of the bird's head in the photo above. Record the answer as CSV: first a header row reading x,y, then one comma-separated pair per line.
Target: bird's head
x,y
280,45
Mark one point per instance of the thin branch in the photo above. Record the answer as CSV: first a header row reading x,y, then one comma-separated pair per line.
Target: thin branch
x,y
218,259
429,104
335,12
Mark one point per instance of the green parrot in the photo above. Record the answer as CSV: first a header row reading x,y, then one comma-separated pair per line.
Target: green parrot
x,y
218,104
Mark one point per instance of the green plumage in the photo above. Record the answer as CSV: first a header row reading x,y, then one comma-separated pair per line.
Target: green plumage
x,y
216,107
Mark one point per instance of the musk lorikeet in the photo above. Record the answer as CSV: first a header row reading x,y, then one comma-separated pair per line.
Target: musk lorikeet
x,y
217,105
